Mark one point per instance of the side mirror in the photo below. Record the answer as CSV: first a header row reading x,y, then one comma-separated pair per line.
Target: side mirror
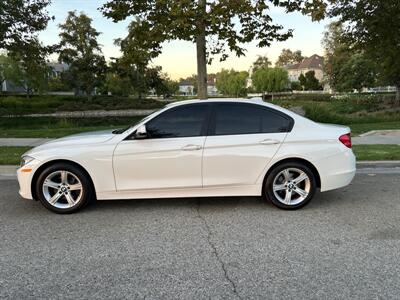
x,y
141,133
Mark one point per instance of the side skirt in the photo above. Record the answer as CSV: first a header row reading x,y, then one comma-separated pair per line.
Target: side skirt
x,y
243,190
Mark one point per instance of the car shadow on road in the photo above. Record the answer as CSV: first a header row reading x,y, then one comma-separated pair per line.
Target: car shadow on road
x,y
222,203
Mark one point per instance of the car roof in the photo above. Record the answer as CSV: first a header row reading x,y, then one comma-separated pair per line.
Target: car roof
x,y
256,100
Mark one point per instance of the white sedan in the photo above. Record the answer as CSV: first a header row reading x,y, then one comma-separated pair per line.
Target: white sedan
x,y
210,148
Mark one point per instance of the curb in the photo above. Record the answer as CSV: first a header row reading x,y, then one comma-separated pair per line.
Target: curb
x,y
373,132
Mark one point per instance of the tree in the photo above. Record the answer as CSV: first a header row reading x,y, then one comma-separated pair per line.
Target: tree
x,y
27,67
309,82
80,50
59,83
261,62
346,68
289,57
271,80
116,85
358,72
137,49
215,26
232,83
172,86
373,26
295,86
4,64
20,20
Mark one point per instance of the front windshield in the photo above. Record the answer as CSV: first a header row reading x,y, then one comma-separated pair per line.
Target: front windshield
x,y
122,130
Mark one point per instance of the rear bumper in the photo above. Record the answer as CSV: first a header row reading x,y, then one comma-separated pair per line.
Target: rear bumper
x,y
339,172
336,181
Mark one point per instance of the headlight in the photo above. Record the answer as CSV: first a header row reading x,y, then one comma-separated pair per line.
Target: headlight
x,y
25,160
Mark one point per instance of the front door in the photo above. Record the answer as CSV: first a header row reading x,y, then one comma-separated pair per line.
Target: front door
x,y
171,156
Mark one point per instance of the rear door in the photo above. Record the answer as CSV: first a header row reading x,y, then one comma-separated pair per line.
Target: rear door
x,y
243,138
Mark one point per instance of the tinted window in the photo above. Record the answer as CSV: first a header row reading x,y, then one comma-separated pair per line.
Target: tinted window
x,y
183,121
274,122
239,118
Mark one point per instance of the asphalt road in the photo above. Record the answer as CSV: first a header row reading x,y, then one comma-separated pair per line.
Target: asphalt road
x,y
344,245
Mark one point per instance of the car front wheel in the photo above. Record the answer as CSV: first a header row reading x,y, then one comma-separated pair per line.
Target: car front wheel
x,y
290,186
63,188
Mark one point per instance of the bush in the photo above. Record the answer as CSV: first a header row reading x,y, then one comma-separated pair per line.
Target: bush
x,y
19,105
326,113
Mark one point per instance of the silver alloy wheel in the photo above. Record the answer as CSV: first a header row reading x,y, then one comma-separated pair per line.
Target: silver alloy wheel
x,y
291,186
62,189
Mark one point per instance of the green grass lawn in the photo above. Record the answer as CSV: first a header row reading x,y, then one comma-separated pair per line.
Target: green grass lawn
x,y
24,127
49,132
377,152
11,155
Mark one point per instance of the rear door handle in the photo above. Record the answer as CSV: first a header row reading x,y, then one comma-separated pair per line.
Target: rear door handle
x,y
269,142
191,147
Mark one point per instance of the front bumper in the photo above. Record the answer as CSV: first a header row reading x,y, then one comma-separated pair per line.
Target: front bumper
x,y
25,176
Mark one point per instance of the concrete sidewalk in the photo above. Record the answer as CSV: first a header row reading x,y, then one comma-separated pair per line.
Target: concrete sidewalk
x,y
378,137
16,142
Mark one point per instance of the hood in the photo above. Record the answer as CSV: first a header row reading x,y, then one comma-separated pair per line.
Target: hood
x,y
87,138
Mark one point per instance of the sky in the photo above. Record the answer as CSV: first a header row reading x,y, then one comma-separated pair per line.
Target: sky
x,y
178,58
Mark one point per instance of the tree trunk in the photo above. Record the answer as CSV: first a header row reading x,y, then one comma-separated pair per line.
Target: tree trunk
x,y
201,54
89,94
397,101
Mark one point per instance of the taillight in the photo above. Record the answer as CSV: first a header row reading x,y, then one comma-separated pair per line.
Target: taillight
x,y
345,139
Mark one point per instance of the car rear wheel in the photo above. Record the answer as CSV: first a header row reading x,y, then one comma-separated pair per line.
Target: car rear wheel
x,y
64,188
290,186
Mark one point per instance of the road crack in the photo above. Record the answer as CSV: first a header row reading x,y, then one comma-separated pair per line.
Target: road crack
x,y
215,252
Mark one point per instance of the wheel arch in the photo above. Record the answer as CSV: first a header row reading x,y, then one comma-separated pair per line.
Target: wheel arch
x,y
297,160
52,162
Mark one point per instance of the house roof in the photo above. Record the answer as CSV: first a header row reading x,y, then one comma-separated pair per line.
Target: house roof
x,y
58,67
185,82
313,62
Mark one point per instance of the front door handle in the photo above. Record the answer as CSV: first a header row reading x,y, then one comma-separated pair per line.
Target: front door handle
x,y
191,147
269,142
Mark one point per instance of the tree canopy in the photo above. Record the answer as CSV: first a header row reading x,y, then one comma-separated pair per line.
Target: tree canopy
x,y
289,57
270,80
346,67
216,27
79,48
373,26
20,20
309,82
232,83
261,62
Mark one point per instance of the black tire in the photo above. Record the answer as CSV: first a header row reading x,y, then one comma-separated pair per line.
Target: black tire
x,y
269,194
86,196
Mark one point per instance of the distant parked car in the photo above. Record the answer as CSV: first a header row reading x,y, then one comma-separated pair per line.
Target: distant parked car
x,y
193,148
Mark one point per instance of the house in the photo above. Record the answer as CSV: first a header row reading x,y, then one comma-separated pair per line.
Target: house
x,y
55,71
313,63
211,85
186,88
57,68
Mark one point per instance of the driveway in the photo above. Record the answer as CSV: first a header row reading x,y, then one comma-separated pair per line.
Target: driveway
x,y
344,245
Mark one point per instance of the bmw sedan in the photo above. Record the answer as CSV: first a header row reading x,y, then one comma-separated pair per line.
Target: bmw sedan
x,y
231,147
